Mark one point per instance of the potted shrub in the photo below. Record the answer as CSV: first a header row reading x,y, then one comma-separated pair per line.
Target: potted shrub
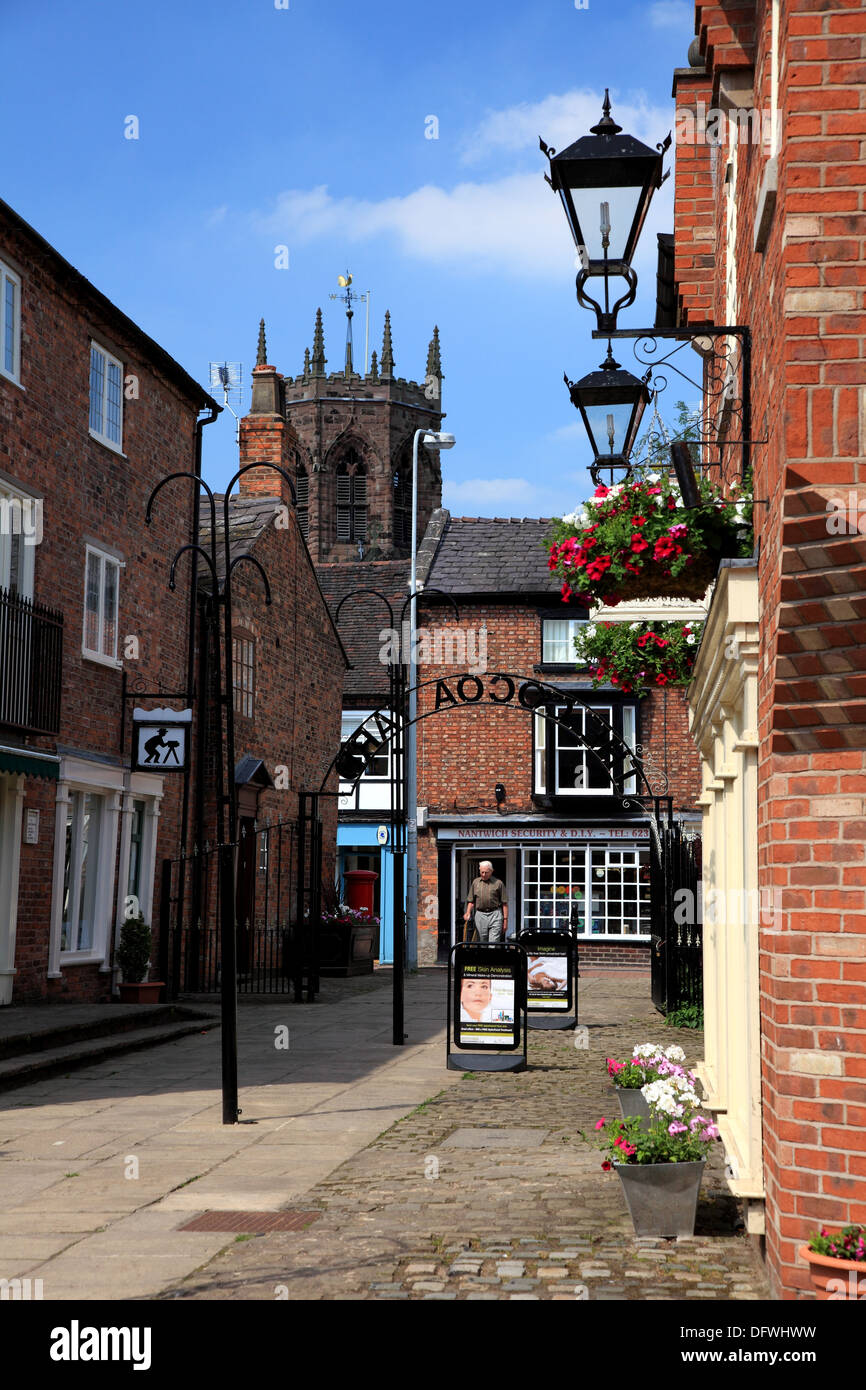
x,y
133,957
660,1165
837,1263
648,1063
637,656
636,540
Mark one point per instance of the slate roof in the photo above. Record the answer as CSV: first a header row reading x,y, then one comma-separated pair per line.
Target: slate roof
x,y
249,517
362,619
493,555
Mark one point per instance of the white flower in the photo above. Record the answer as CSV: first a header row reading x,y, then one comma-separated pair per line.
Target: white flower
x,y
675,1053
653,477
589,630
617,487
646,1050
690,640
632,627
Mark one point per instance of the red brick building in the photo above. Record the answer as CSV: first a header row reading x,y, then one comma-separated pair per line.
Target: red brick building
x,y
497,782
770,233
94,413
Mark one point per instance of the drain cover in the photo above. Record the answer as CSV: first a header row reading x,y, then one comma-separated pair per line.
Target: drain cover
x,y
252,1222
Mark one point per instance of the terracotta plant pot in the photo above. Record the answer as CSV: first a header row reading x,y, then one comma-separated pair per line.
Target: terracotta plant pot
x,y
835,1280
662,1198
141,992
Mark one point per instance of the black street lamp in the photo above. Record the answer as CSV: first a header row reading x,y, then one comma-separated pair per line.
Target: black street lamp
x,y
606,181
611,402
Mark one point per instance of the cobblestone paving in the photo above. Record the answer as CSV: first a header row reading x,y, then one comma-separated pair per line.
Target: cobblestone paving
x,y
412,1217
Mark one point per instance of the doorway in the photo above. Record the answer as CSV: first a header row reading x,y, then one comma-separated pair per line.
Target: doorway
x,y
468,868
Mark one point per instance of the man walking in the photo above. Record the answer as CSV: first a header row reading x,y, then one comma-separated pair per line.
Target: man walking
x,y
487,900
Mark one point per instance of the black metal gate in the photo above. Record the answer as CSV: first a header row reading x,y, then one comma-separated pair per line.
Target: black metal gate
x,y
677,932
271,897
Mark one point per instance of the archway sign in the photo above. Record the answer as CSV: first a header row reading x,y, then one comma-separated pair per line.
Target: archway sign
x,y
486,1007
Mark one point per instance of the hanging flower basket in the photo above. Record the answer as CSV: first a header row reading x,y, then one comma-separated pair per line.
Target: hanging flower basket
x,y
637,541
636,657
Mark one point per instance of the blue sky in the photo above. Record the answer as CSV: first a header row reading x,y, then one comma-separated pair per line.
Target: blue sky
x,y
260,127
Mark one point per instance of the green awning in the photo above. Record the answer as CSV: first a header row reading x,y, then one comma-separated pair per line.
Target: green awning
x,y
19,761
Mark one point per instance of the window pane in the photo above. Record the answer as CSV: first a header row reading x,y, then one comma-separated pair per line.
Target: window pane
x,y
133,882
97,388
67,922
91,817
10,322
109,610
91,602
114,405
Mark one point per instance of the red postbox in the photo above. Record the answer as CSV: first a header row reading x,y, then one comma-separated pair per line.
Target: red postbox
x,y
359,889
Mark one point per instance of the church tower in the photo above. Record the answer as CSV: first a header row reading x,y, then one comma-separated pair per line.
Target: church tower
x,y
346,438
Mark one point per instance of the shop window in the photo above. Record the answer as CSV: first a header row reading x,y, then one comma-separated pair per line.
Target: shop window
x,y
605,891
84,817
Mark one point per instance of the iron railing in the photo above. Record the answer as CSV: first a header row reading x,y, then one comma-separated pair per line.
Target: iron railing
x,y
31,665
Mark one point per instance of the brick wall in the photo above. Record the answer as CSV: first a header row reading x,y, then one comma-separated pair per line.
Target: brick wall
x,y
91,492
804,298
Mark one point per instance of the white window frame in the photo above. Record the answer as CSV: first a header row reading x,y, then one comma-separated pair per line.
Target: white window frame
x,y
559,734
9,275
573,623
26,549
81,775
372,791
109,360
104,557
579,875
146,787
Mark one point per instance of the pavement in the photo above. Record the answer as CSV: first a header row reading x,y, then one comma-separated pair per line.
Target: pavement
x,y
395,1178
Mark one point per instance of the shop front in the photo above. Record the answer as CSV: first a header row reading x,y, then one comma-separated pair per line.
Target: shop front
x,y
595,877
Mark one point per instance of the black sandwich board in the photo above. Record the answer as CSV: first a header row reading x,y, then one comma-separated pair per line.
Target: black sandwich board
x,y
486,1007
551,978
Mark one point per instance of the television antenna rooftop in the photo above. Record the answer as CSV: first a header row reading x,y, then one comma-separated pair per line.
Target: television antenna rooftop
x,y
228,378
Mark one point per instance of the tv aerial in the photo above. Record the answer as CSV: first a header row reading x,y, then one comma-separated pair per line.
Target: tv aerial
x,y
228,378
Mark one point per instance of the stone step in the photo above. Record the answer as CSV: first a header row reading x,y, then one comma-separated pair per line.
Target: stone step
x,y
22,1069
43,1027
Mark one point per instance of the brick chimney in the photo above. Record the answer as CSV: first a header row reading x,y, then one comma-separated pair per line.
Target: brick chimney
x,y
264,434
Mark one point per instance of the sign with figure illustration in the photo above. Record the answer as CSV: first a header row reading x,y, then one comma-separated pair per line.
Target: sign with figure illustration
x,y
550,970
160,739
488,988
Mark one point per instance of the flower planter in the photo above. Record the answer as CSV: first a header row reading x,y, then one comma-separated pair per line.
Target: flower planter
x,y
141,992
662,1198
346,948
652,582
835,1280
632,1102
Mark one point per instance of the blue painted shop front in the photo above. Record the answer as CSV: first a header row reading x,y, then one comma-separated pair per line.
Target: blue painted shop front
x,y
358,847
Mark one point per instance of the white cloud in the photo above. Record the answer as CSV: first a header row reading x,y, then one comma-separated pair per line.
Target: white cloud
x,y
562,119
510,225
505,226
673,14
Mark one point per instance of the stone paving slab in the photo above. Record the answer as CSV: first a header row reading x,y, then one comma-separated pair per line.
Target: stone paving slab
x,y
414,1217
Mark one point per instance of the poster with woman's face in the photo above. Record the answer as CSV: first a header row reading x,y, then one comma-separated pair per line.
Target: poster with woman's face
x,y
487,1006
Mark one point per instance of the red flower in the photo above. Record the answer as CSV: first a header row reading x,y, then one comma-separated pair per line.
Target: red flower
x,y
664,547
661,641
661,679
566,591
614,680
607,1165
596,569
601,491
633,569
638,521
642,641
638,543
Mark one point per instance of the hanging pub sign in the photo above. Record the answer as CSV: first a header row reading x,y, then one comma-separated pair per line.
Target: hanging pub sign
x,y
549,970
160,739
487,998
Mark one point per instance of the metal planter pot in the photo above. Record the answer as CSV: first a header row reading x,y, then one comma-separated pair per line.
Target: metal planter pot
x,y
632,1102
662,1198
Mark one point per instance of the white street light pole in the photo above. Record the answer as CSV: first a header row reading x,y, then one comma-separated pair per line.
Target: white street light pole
x,y
431,440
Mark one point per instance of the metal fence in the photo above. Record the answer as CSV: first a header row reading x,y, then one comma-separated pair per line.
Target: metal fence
x,y
266,900
677,933
31,659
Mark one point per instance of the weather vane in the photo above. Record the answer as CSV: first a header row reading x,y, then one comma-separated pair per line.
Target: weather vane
x,y
350,297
